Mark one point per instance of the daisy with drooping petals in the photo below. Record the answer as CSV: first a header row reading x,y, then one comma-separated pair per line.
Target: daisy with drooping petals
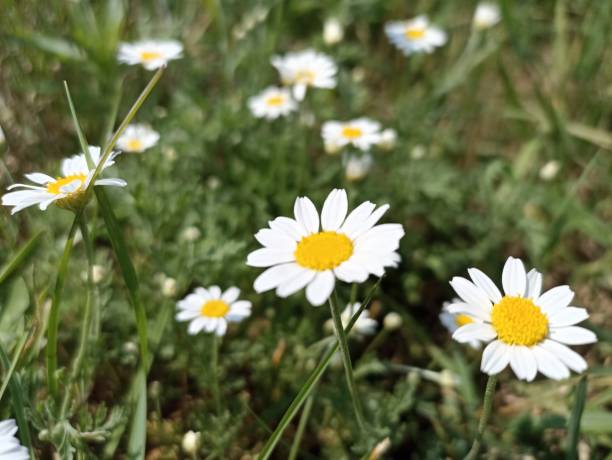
x,y
306,68
272,103
415,35
523,327
453,321
210,309
66,191
137,138
357,167
10,447
361,133
312,252
486,15
151,54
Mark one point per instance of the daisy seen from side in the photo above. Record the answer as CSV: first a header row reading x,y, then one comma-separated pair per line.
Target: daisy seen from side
x,y
210,309
311,251
415,35
137,138
453,321
151,54
523,328
66,191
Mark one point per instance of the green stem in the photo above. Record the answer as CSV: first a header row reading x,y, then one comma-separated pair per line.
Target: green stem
x,y
346,358
54,312
214,371
295,447
484,417
86,326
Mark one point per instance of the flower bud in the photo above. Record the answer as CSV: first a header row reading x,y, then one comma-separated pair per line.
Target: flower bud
x,y
392,321
191,442
333,31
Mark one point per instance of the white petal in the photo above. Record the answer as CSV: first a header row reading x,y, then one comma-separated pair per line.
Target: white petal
x,y
196,325
555,299
292,285
462,308
567,316
470,293
111,182
356,219
40,178
299,91
485,283
495,357
306,214
549,364
275,276
230,295
289,227
221,327
567,356
523,363
514,278
185,315
534,284
211,324
573,335
334,210
267,257
351,272
475,331
215,292
275,239
320,288
371,220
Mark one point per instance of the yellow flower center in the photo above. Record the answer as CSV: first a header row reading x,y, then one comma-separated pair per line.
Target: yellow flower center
x,y
134,144
214,309
351,132
415,33
55,187
323,250
305,76
519,321
275,101
462,320
150,55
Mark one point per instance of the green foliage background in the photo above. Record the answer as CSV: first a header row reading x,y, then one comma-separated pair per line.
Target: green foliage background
x,y
476,122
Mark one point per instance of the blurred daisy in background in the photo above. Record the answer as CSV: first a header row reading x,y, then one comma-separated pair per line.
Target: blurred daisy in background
x,y
306,68
453,321
151,54
2,137
311,252
388,139
523,328
333,31
10,447
486,15
272,103
415,35
210,309
357,166
364,325
66,191
361,133
137,138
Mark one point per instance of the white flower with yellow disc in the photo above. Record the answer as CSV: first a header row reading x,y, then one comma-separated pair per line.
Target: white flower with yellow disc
x,y
272,103
415,35
311,251
66,191
137,138
524,328
151,54
210,310
361,133
306,68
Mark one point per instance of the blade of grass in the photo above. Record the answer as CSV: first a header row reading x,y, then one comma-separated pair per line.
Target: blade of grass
x,y
18,399
138,432
573,427
20,257
310,383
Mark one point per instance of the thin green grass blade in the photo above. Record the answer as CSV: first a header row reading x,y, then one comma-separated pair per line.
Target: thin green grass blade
x,y
573,426
138,432
13,365
20,257
18,398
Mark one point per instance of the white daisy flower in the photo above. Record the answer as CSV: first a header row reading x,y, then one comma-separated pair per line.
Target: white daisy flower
x,y
364,324
524,328
137,138
66,191
210,309
453,321
312,252
361,133
151,54
272,103
10,447
357,167
415,35
486,15
306,68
